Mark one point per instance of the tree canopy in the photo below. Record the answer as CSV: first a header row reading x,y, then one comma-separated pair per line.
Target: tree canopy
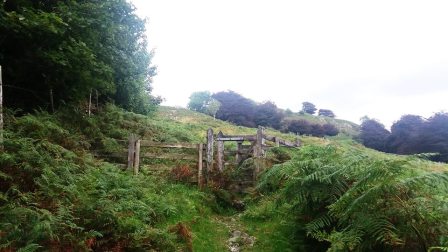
x,y
68,48
198,101
203,102
309,108
235,108
326,112
411,134
373,134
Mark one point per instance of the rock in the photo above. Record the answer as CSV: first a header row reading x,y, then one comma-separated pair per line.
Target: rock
x,y
236,233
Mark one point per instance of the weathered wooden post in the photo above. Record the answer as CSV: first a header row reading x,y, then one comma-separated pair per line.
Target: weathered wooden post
x,y
90,102
1,110
209,167
51,100
137,157
259,142
297,143
239,149
97,105
131,151
220,154
200,149
277,141
258,152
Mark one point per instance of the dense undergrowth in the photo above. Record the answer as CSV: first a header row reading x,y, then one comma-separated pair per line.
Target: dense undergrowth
x,y
332,194
54,195
342,198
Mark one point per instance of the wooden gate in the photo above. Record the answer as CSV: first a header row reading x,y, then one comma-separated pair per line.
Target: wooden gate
x,y
206,154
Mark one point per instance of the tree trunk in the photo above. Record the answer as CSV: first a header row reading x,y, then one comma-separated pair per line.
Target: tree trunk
x,y
1,110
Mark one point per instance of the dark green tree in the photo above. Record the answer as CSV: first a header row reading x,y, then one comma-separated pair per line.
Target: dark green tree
x,y
373,134
330,129
326,112
434,137
301,127
235,108
406,133
69,48
267,114
309,108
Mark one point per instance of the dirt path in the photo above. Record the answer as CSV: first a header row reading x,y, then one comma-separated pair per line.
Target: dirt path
x,y
238,238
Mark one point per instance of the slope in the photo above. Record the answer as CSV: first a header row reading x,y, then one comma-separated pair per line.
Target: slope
x,y
55,195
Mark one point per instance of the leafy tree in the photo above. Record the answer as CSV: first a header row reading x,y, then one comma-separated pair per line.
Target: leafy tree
x,y
267,114
317,130
212,107
68,48
199,100
434,137
406,135
309,108
373,134
326,112
330,129
304,127
235,108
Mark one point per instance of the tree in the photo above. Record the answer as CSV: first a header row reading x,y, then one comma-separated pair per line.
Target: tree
x,y
406,134
199,100
317,130
68,48
267,114
434,136
373,134
326,112
212,107
309,108
301,127
330,129
235,108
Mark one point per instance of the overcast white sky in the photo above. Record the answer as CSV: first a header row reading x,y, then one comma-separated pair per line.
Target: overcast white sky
x,y
377,58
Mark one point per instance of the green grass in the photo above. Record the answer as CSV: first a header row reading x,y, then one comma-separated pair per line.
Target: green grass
x,y
55,194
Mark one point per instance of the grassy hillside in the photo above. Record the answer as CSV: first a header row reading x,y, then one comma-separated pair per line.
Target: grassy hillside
x,y
331,194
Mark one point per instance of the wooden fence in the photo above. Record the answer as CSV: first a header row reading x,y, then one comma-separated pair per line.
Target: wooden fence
x,y
205,152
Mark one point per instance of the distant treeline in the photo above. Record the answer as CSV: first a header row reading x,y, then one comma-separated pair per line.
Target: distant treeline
x,y
411,134
233,107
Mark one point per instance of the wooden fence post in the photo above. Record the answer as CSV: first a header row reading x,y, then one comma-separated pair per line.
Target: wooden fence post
x,y
259,141
137,157
90,102
239,149
209,167
258,152
1,110
220,154
200,148
97,105
131,151
277,142
297,142
51,100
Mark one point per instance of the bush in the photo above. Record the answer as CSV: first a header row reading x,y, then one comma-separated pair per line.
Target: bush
x,y
355,201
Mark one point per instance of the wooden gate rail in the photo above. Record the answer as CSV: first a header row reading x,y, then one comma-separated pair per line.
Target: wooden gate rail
x,y
256,149
134,154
